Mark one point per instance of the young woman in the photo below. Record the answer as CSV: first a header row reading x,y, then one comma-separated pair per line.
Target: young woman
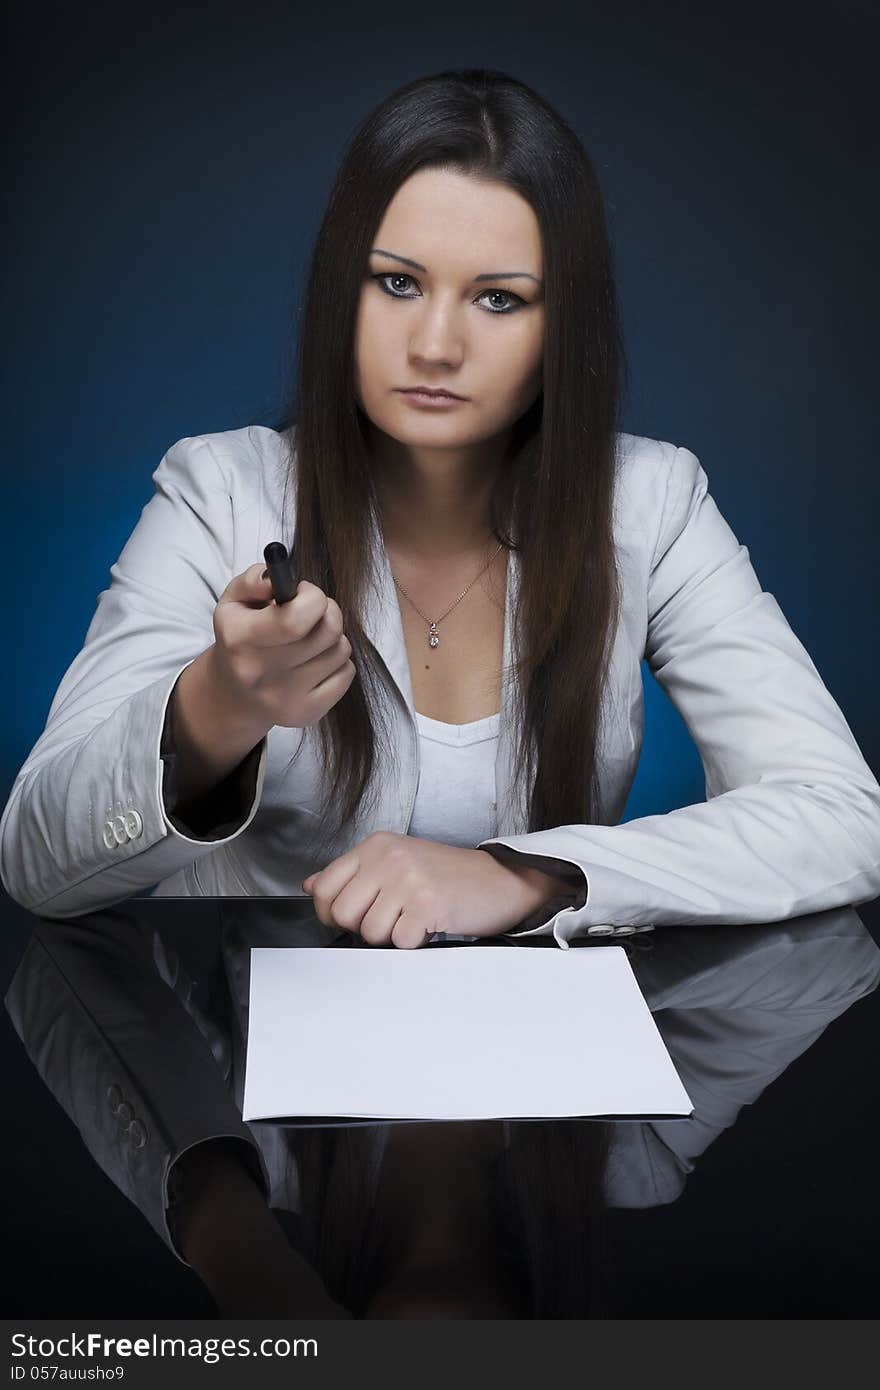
x,y
439,732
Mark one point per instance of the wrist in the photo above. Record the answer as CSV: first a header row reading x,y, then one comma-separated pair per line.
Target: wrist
x,y
543,886
240,718
212,732
214,1192
534,887
230,1237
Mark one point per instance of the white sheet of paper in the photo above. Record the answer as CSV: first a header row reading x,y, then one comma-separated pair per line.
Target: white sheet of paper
x,y
449,1033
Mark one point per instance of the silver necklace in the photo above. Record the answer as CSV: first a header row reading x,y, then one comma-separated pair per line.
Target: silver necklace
x,y
433,634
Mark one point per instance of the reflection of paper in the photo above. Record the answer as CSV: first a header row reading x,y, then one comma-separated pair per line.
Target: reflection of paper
x,y
458,1032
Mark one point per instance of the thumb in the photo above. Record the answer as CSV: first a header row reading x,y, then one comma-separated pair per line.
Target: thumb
x,y
252,585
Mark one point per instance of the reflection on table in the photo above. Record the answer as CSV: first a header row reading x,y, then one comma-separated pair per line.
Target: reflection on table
x,y
136,1020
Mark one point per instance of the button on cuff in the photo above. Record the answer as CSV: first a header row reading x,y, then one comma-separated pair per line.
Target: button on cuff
x,y
137,1135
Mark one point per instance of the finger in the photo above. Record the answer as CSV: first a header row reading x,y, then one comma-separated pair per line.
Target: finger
x,y
299,630
330,881
379,920
412,929
251,586
253,589
307,615
313,660
350,906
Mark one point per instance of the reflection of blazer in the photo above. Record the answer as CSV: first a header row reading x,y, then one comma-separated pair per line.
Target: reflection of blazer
x,y
734,1009
792,820
147,1065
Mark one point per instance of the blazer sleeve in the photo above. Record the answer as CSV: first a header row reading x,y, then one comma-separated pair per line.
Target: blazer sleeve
x,y
90,819
791,821
733,1019
141,1070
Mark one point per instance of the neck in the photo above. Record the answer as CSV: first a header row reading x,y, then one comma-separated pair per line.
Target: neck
x,y
435,502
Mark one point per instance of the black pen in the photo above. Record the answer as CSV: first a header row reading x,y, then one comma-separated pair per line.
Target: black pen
x,y
278,567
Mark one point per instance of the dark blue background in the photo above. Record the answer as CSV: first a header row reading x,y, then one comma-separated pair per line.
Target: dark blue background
x,y
169,171
167,177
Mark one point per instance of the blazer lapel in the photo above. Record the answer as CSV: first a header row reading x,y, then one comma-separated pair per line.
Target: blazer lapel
x,y
510,804
381,618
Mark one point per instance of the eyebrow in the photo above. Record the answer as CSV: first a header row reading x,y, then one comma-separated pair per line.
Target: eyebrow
x,y
488,275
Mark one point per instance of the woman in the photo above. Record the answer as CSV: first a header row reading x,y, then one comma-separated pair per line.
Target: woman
x,y
439,733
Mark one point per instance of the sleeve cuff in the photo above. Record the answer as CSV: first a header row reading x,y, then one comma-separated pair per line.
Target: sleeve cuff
x,y
553,918
175,1182
221,811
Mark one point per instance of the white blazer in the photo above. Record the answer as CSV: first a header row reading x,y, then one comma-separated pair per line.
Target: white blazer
x,y
791,823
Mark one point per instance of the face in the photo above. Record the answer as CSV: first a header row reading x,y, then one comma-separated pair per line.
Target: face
x,y
439,324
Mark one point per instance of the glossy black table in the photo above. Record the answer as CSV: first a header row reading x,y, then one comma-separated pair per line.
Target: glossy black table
x,y
762,1205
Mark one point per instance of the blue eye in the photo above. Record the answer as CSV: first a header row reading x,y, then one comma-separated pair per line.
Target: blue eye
x,y
516,301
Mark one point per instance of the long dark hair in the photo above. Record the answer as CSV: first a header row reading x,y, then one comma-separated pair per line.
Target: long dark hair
x,y
546,1207
552,501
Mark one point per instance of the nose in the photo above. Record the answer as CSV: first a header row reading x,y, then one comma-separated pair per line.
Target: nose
x,y
437,334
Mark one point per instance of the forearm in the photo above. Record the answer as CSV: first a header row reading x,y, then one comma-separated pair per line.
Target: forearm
x,y
230,1237
212,732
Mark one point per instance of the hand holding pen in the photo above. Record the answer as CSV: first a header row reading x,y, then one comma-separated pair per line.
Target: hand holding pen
x,y
278,571
279,649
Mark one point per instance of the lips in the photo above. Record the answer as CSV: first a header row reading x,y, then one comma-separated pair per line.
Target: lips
x,y
429,391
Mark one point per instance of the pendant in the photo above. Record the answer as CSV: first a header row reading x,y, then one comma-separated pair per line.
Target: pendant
x,y
433,636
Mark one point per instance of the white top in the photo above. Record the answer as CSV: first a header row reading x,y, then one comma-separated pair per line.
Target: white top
x,y
455,799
